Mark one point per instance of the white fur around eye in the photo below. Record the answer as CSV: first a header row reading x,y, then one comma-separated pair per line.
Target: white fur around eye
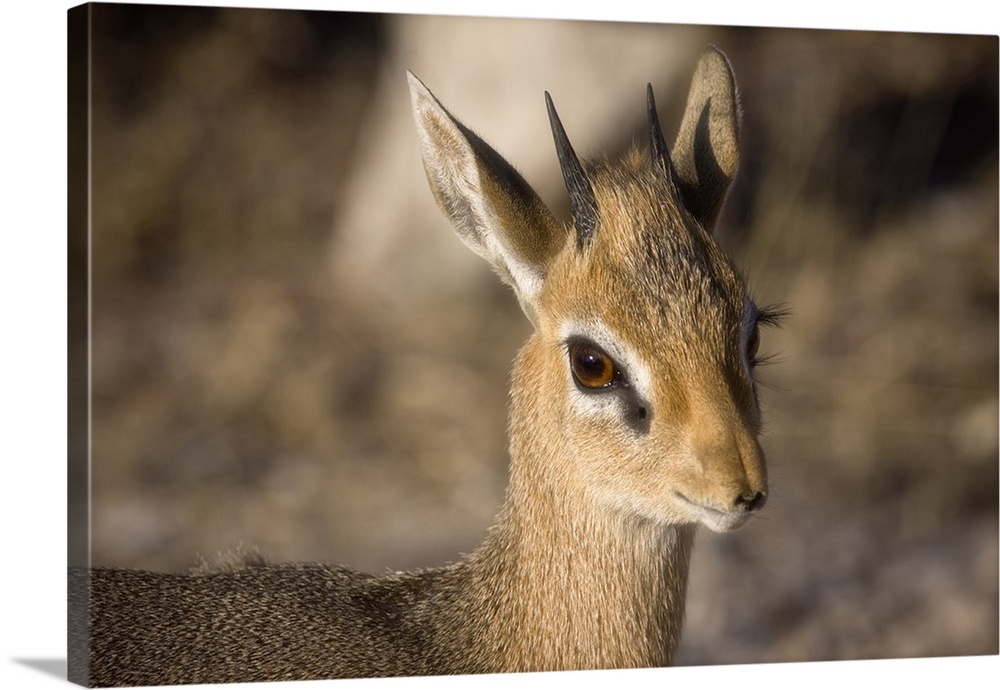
x,y
593,405
629,363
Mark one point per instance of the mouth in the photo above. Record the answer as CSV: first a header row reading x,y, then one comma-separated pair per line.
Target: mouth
x,y
715,519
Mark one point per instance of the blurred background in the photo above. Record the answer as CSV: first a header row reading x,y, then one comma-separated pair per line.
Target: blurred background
x,y
292,350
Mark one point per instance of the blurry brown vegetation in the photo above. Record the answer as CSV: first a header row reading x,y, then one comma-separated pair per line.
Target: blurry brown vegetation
x,y
245,393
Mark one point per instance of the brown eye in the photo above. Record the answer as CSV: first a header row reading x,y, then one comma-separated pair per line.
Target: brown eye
x,y
591,367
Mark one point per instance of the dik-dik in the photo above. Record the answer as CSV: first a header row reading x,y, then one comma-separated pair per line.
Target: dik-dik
x,y
634,417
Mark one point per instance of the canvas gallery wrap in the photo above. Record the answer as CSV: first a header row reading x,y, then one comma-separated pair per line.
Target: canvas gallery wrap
x,y
423,345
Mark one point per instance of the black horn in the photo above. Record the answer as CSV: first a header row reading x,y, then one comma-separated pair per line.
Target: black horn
x,y
657,145
581,195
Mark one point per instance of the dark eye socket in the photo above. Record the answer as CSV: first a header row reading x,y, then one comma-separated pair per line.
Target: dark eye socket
x,y
591,367
753,343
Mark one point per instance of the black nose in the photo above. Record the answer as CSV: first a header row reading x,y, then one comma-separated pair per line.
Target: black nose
x,y
751,502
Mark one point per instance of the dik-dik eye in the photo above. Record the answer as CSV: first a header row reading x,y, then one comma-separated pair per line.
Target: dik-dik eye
x,y
753,343
591,367
755,318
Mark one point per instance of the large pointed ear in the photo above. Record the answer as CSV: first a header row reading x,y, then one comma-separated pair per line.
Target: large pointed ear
x,y
495,212
706,152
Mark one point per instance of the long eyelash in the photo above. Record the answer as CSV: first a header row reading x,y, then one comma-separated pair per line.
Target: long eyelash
x,y
771,386
764,361
770,316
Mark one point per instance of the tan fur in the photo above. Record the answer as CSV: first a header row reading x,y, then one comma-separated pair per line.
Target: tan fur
x,y
587,563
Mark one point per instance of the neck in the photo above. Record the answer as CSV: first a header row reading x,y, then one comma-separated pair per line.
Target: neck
x,y
585,594
572,583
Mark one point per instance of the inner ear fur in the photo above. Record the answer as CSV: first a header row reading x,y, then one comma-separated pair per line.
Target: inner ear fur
x,y
491,206
706,151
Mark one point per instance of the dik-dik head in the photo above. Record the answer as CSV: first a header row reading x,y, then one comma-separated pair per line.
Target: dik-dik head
x,y
640,376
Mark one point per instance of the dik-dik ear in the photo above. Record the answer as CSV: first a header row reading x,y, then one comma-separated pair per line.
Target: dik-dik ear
x,y
495,212
706,152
